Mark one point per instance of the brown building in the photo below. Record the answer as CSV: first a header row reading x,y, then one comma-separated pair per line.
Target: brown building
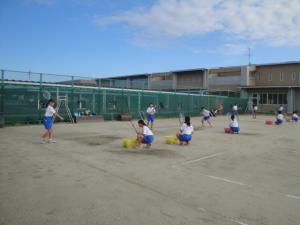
x,y
267,85
271,85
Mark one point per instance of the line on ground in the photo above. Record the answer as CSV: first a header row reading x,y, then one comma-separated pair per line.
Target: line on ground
x,y
224,179
202,158
293,196
239,222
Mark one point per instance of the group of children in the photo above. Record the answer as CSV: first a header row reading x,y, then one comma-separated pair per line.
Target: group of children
x,y
280,117
186,130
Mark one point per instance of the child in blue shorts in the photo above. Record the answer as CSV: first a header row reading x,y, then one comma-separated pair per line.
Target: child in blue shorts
x,y
279,118
295,116
150,115
234,125
48,121
146,136
206,116
186,131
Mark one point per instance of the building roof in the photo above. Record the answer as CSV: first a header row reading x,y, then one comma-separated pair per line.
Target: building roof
x,y
269,86
277,64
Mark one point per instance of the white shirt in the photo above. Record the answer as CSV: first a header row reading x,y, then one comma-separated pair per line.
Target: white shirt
x,y
295,116
151,110
147,131
235,108
50,111
185,129
255,108
234,123
280,117
205,113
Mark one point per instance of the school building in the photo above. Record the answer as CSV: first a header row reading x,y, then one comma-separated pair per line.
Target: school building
x,y
267,85
270,85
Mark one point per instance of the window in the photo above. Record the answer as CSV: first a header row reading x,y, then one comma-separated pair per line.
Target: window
x,y
269,76
258,76
272,98
282,99
263,99
293,75
281,76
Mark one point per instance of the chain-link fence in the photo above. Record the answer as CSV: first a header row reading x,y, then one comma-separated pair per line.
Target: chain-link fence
x,y
24,96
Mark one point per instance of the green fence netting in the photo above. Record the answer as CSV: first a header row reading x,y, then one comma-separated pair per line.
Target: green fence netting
x,y
24,100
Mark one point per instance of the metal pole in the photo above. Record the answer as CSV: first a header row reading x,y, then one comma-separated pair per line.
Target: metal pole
x,y
2,120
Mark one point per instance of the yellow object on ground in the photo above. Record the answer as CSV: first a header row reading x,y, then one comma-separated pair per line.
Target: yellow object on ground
x,y
172,140
130,143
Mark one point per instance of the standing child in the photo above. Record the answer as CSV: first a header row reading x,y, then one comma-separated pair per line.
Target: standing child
x,y
235,111
146,136
151,115
186,131
234,125
48,121
280,108
206,116
295,116
279,118
254,111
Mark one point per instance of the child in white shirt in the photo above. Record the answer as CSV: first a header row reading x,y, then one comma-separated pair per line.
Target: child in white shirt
x,y
234,125
279,118
206,116
186,131
150,115
48,121
295,117
146,136
254,111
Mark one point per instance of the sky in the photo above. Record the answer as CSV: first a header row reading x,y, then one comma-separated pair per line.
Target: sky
x,y
103,38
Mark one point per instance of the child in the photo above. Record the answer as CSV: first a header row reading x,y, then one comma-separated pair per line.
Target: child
x,y
254,111
206,116
150,115
186,131
48,121
234,125
235,110
279,118
146,136
280,108
295,116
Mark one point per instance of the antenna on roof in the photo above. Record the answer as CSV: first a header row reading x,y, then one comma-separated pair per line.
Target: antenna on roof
x,y
249,56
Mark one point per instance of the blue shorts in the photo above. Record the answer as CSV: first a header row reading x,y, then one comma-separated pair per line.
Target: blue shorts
x,y
206,118
47,121
278,122
295,119
148,139
235,129
150,118
185,137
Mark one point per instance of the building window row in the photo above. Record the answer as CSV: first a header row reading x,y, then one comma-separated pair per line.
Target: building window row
x,y
270,98
281,76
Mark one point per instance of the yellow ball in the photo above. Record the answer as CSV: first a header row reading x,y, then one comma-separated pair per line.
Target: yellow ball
x,y
130,143
172,140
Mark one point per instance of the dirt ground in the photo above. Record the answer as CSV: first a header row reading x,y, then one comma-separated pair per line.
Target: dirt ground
x,y
87,178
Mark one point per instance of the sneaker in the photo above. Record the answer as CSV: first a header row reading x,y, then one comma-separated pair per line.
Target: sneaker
x,y
51,141
43,142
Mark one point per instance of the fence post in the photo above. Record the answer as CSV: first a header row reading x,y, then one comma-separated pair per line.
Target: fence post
x,y
39,96
2,120
72,97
